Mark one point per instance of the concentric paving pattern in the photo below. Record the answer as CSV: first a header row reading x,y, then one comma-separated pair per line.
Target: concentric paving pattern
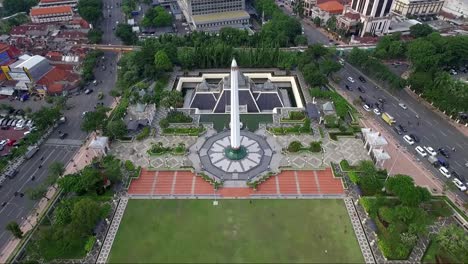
x,y
218,158
213,158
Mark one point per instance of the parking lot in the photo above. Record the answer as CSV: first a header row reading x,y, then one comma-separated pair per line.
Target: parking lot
x,y
11,136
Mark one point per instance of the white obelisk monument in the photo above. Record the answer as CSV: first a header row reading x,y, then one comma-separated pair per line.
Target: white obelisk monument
x,y
235,122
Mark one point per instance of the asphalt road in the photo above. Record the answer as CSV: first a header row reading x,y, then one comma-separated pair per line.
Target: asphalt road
x,y
109,22
432,130
17,208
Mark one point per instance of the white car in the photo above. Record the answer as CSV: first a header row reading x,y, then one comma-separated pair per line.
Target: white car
x,y
445,172
366,107
350,79
430,151
20,123
420,151
408,139
402,105
27,133
377,111
3,142
459,184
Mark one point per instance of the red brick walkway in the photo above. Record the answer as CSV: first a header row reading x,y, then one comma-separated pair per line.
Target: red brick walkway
x,y
185,183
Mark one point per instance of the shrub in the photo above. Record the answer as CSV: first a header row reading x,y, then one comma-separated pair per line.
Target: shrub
x,y
178,117
129,165
295,115
164,123
90,243
353,177
315,146
144,133
295,146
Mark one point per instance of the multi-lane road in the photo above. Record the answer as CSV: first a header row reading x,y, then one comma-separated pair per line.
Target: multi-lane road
x,y
17,208
430,128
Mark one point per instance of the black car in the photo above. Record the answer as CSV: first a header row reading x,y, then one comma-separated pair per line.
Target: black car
x,y
458,176
360,89
63,135
362,99
348,88
397,130
403,128
382,100
414,137
444,153
362,79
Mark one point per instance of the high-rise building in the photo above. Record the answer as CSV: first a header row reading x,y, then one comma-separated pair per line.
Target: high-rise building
x,y
212,15
458,8
367,16
417,7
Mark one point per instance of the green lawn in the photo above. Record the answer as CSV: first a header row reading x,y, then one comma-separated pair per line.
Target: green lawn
x,y
264,231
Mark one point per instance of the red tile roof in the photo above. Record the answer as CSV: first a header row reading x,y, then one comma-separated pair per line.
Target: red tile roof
x,y
54,56
41,11
52,76
354,16
51,1
72,35
332,7
22,29
60,78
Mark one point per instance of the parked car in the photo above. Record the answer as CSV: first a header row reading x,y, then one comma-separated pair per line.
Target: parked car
x,y
382,100
366,107
414,137
360,89
10,142
430,151
351,79
377,111
397,130
421,151
88,91
402,128
458,176
348,87
63,135
459,184
362,79
408,139
3,142
445,172
444,153
362,99
443,162
402,105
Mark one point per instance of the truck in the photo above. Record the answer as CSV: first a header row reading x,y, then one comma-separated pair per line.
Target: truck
x,y
388,118
31,151
434,161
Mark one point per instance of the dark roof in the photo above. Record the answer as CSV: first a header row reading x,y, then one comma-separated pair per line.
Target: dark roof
x,y
203,101
268,101
312,111
136,124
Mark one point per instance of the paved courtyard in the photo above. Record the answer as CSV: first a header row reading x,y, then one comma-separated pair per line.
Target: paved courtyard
x,y
349,148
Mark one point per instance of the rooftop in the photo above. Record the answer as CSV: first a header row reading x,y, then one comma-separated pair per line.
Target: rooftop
x,y
53,1
332,7
222,16
41,11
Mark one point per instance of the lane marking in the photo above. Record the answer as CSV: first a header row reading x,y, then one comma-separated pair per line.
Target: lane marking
x,y
442,133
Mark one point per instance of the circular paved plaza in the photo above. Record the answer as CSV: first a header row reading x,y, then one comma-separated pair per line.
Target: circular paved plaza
x,y
257,159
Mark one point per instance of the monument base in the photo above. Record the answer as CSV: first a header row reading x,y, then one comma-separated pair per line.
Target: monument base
x,y
235,154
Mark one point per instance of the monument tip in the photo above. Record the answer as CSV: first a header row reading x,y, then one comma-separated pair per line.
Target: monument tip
x,y
234,63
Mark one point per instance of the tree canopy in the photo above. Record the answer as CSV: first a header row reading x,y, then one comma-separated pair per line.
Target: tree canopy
x,y
157,17
420,30
126,34
14,6
94,120
90,10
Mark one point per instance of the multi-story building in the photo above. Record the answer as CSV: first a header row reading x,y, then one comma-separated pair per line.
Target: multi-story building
x,y
326,10
417,7
49,3
51,14
308,6
366,17
212,15
458,8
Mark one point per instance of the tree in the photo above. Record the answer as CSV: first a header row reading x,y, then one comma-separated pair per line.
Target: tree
x,y
420,30
186,57
85,215
454,240
94,120
71,184
116,129
37,193
126,34
90,10
299,8
317,21
15,229
112,168
45,117
331,23
56,168
14,6
172,99
162,61
370,185
163,18
62,213
95,36
300,40
329,66
409,194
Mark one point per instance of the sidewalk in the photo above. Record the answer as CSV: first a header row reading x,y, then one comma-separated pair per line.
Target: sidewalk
x,y
82,158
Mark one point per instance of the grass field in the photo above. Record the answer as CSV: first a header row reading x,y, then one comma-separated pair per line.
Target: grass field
x,y
264,231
